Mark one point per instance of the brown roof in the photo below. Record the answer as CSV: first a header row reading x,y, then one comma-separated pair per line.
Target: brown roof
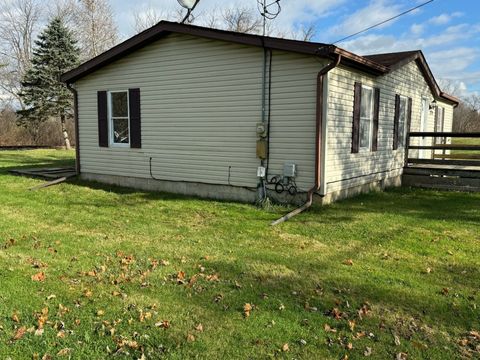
x,y
390,59
398,59
373,64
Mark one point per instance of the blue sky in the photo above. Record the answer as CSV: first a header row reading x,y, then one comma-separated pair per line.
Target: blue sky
x,y
448,31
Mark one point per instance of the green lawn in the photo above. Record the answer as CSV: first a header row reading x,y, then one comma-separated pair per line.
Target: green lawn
x,y
127,273
466,141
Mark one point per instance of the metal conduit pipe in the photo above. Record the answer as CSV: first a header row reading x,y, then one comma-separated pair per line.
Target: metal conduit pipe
x,y
318,138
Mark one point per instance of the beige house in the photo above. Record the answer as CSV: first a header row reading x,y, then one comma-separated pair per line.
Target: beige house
x,y
223,115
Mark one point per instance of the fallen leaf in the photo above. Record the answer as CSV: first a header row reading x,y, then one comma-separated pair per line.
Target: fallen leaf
x,y
337,314
402,356
349,346
15,317
475,334
351,324
445,291
396,339
199,327
348,262
190,338
214,277
64,352
88,293
20,333
100,313
39,332
429,270
247,308
165,324
39,277
61,334
285,348
368,351
328,328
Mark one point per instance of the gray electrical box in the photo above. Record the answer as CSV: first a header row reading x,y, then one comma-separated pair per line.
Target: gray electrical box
x,y
289,170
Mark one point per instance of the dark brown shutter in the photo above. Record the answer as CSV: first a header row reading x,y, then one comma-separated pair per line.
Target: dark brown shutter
x,y
395,122
409,123
376,113
356,117
102,119
135,119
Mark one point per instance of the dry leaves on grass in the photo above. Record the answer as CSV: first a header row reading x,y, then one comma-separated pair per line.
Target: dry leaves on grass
x,y
15,317
328,328
247,309
285,348
348,262
165,324
39,277
64,352
20,333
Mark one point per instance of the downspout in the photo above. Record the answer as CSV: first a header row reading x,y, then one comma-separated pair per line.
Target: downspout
x,y
318,137
77,136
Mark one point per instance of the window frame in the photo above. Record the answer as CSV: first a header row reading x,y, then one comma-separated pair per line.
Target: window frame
x,y
111,141
370,128
401,144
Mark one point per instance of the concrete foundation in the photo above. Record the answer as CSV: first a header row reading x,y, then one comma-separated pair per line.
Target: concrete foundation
x,y
234,193
378,185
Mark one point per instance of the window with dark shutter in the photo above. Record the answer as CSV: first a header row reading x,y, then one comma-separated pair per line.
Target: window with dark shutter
x,y
356,118
135,119
102,107
376,113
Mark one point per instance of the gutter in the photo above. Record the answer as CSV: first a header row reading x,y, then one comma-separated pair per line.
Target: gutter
x,y
77,136
318,138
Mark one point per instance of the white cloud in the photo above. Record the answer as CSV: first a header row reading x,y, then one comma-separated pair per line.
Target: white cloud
x,y
417,29
444,19
375,12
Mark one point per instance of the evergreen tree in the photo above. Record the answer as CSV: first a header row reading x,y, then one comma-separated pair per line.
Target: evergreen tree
x,y
45,97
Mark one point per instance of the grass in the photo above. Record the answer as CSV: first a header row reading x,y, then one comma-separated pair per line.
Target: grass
x,y
130,272
466,141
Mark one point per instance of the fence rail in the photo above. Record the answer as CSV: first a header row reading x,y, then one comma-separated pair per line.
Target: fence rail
x,y
442,164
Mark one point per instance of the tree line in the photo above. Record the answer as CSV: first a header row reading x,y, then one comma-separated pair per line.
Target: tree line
x,y
40,40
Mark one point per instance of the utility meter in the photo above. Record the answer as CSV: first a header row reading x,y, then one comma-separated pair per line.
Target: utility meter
x,y
262,130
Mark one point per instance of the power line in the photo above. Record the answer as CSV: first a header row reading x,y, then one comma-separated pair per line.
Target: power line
x,y
385,21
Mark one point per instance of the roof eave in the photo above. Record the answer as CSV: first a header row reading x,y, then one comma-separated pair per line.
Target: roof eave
x,y
163,28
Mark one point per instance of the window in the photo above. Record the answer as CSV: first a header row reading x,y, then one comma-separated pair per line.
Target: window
x,y
366,118
119,120
402,121
439,124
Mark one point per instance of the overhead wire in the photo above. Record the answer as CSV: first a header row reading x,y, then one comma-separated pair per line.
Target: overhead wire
x,y
383,22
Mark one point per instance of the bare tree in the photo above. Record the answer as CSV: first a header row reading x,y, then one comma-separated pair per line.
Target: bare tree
x,y
305,33
65,10
242,20
149,17
97,31
19,21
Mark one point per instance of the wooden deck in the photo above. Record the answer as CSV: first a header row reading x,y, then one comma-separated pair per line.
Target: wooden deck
x,y
445,171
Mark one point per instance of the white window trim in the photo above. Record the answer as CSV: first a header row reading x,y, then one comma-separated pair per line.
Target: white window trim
x,y
401,145
370,128
110,120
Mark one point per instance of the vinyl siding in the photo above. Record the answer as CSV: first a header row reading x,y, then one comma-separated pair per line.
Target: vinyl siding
x,y
200,103
344,169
